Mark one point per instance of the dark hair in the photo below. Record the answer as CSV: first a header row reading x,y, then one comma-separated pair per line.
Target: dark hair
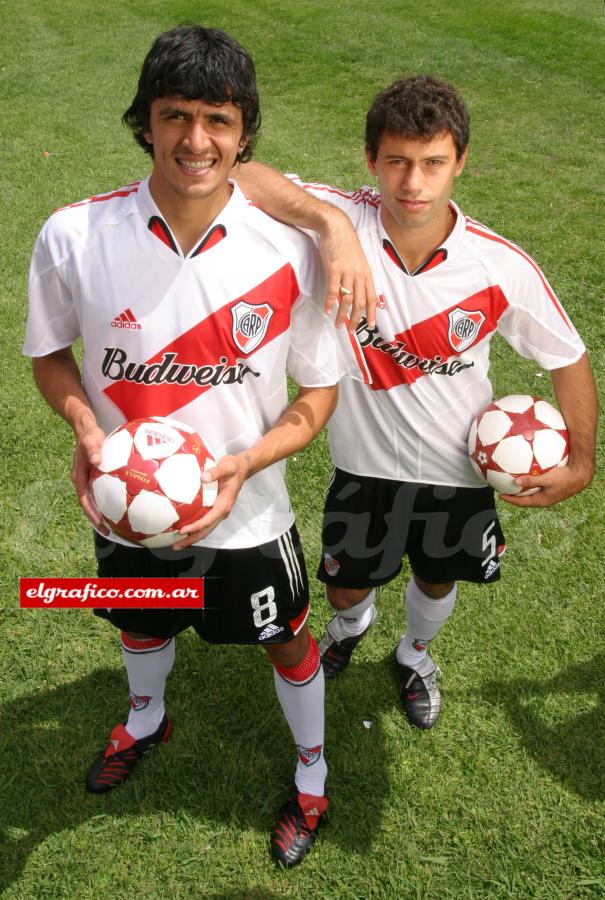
x,y
196,63
417,107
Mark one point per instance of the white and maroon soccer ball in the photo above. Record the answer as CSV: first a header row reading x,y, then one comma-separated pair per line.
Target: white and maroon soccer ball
x,y
148,484
517,435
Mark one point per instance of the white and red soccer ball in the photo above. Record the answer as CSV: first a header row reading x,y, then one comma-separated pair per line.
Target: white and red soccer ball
x,y
148,484
517,435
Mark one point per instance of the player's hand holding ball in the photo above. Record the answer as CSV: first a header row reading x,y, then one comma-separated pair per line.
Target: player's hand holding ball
x,y
518,444
229,473
148,482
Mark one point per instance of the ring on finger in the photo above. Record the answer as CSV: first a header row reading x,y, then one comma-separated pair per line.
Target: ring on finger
x,y
345,291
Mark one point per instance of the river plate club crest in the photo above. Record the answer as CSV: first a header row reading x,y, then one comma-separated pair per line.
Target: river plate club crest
x,y
250,323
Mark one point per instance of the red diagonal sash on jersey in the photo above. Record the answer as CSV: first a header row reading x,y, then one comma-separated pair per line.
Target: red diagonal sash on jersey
x,y
210,343
410,354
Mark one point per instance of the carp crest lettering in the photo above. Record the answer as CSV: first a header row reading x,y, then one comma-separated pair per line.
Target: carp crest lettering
x,y
250,323
464,328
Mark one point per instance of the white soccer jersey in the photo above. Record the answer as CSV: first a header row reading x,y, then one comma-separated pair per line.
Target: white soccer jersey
x,y
205,339
426,362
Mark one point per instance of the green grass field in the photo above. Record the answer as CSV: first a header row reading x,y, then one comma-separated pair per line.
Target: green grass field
x,y
506,797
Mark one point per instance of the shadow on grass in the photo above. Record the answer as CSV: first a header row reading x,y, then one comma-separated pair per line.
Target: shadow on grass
x,y
229,761
559,723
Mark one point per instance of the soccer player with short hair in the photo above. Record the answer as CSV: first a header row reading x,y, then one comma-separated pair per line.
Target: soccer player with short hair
x,y
403,483
192,302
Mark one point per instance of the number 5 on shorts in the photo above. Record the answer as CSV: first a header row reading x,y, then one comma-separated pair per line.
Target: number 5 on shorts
x,y
489,543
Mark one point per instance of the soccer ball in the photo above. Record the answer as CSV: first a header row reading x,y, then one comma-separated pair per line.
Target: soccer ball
x,y
148,483
518,435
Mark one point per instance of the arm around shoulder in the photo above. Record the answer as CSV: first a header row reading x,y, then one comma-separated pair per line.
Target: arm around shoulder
x,y
342,255
282,199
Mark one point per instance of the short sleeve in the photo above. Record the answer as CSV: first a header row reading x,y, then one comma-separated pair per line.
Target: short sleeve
x,y
52,322
535,323
313,356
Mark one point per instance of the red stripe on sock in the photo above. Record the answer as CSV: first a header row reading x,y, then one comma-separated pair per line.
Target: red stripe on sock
x,y
306,669
146,644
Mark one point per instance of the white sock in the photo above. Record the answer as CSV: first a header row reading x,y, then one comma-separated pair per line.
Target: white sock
x,y
425,618
354,620
148,663
300,691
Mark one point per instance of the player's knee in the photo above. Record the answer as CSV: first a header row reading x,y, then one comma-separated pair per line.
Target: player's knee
x,y
345,598
434,591
303,671
291,654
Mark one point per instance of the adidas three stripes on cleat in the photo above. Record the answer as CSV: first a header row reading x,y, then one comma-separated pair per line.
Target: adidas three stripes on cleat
x,y
298,822
113,766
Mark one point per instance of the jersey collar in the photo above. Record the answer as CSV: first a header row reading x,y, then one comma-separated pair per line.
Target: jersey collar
x,y
157,225
439,255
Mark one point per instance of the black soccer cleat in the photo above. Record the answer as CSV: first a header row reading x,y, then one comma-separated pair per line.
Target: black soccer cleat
x,y
298,822
115,763
419,694
336,650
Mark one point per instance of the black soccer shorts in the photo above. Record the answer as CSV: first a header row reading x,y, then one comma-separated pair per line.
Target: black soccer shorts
x,y
448,533
251,595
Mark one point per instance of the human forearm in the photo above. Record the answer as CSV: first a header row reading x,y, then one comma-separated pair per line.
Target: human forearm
x,y
576,394
349,278
281,199
296,428
57,377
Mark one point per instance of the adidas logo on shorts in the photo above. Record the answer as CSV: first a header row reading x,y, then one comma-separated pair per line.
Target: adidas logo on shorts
x,y
493,567
270,631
